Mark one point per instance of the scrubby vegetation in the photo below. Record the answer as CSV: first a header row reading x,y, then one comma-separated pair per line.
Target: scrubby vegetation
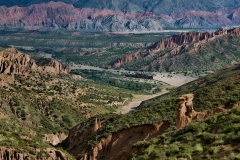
x,y
141,86
212,56
207,91
216,137
95,49
39,103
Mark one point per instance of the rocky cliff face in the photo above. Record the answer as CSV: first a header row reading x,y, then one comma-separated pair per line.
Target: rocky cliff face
x,y
175,44
61,15
184,38
14,62
116,145
186,113
56,67
73,141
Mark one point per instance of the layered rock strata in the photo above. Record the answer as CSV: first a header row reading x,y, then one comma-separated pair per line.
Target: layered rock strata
x,y
56,15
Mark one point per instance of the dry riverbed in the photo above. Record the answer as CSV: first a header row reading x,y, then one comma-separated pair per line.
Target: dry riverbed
x,y
136,101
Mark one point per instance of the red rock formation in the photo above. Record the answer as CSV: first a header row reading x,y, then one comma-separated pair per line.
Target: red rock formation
x,y
60,14
186,38
127,58
39,15
176,43
14,62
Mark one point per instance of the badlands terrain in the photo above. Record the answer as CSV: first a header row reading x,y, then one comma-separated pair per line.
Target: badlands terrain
x,y
119,80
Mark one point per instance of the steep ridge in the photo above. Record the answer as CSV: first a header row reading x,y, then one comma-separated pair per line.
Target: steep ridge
x,y
56,15
184,44
115,145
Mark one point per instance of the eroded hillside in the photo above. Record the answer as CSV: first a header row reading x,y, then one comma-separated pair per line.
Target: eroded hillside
x,y
217,92
38,104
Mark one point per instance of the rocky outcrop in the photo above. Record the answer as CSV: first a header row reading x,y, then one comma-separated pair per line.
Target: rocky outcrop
x,y
54,154
116,145
14,62
186,113
54,139
127,58
56,67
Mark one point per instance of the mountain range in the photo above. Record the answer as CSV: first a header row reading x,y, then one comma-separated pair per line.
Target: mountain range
x,y
190,51
137,6
114,16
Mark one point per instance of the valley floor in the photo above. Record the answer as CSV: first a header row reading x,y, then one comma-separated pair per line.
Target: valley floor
x,y
169,78
136,101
